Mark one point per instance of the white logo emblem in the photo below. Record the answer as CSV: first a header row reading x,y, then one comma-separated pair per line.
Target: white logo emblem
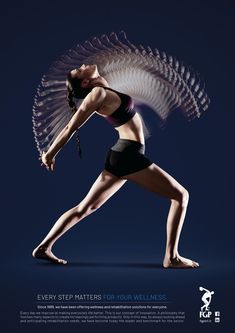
x,y
206,315
206,298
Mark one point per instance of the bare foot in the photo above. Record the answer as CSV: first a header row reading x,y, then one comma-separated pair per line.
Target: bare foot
x,y
42,252
179,262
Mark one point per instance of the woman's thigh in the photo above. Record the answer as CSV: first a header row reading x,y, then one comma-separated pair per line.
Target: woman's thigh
x,y
103,188
156,180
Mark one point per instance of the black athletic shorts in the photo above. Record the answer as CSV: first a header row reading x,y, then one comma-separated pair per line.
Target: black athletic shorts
x,y
126,157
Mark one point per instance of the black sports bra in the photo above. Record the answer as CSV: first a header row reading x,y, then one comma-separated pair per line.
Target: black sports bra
x,y
124,112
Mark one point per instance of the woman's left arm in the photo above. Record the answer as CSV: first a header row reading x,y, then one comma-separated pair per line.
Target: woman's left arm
x,y
88,107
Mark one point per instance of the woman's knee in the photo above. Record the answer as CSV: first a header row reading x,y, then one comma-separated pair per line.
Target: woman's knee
x,y
181,196
85,210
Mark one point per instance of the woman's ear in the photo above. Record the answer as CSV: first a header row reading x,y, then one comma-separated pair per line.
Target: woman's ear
x,y
85,83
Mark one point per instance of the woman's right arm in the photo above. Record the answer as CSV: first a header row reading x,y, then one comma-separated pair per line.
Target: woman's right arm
x,y
90,104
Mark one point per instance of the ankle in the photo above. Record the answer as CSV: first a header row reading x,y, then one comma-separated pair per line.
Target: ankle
x,y
44,247
171,255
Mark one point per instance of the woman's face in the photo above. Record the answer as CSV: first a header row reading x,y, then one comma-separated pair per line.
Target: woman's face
x,y
85,72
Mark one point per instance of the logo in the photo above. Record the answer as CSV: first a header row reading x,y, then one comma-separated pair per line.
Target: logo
x,y
205,314
206,298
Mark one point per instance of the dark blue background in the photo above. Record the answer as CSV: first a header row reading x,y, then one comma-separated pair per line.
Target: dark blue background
x,y
120,248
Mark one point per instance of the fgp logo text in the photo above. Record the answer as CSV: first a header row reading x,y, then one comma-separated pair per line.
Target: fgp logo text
x,y
205,314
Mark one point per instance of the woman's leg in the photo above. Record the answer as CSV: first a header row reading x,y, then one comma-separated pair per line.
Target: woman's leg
x,y
103,188
158,181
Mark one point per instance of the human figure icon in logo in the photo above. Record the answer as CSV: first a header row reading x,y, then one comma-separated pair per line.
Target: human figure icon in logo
x,y
206,298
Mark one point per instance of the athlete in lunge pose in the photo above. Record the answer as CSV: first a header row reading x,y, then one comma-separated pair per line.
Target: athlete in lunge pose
x,y
125,161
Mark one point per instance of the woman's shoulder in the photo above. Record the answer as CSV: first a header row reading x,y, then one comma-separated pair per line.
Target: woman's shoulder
x,y
105,87
98,92
106,91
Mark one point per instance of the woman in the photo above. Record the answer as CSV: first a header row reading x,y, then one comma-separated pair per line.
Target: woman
x,y
125,161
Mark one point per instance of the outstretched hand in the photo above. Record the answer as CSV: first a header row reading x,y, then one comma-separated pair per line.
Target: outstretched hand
x,y
47,161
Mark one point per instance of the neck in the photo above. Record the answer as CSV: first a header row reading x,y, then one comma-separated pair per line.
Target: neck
x,y
99,81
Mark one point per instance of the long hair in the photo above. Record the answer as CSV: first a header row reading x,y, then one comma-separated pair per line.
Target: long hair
x,y
75,90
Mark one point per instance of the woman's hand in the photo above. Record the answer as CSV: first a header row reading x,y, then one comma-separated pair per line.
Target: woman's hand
x,y
48,161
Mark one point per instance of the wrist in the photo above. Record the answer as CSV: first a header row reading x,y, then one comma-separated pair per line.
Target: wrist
x,y
49,154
